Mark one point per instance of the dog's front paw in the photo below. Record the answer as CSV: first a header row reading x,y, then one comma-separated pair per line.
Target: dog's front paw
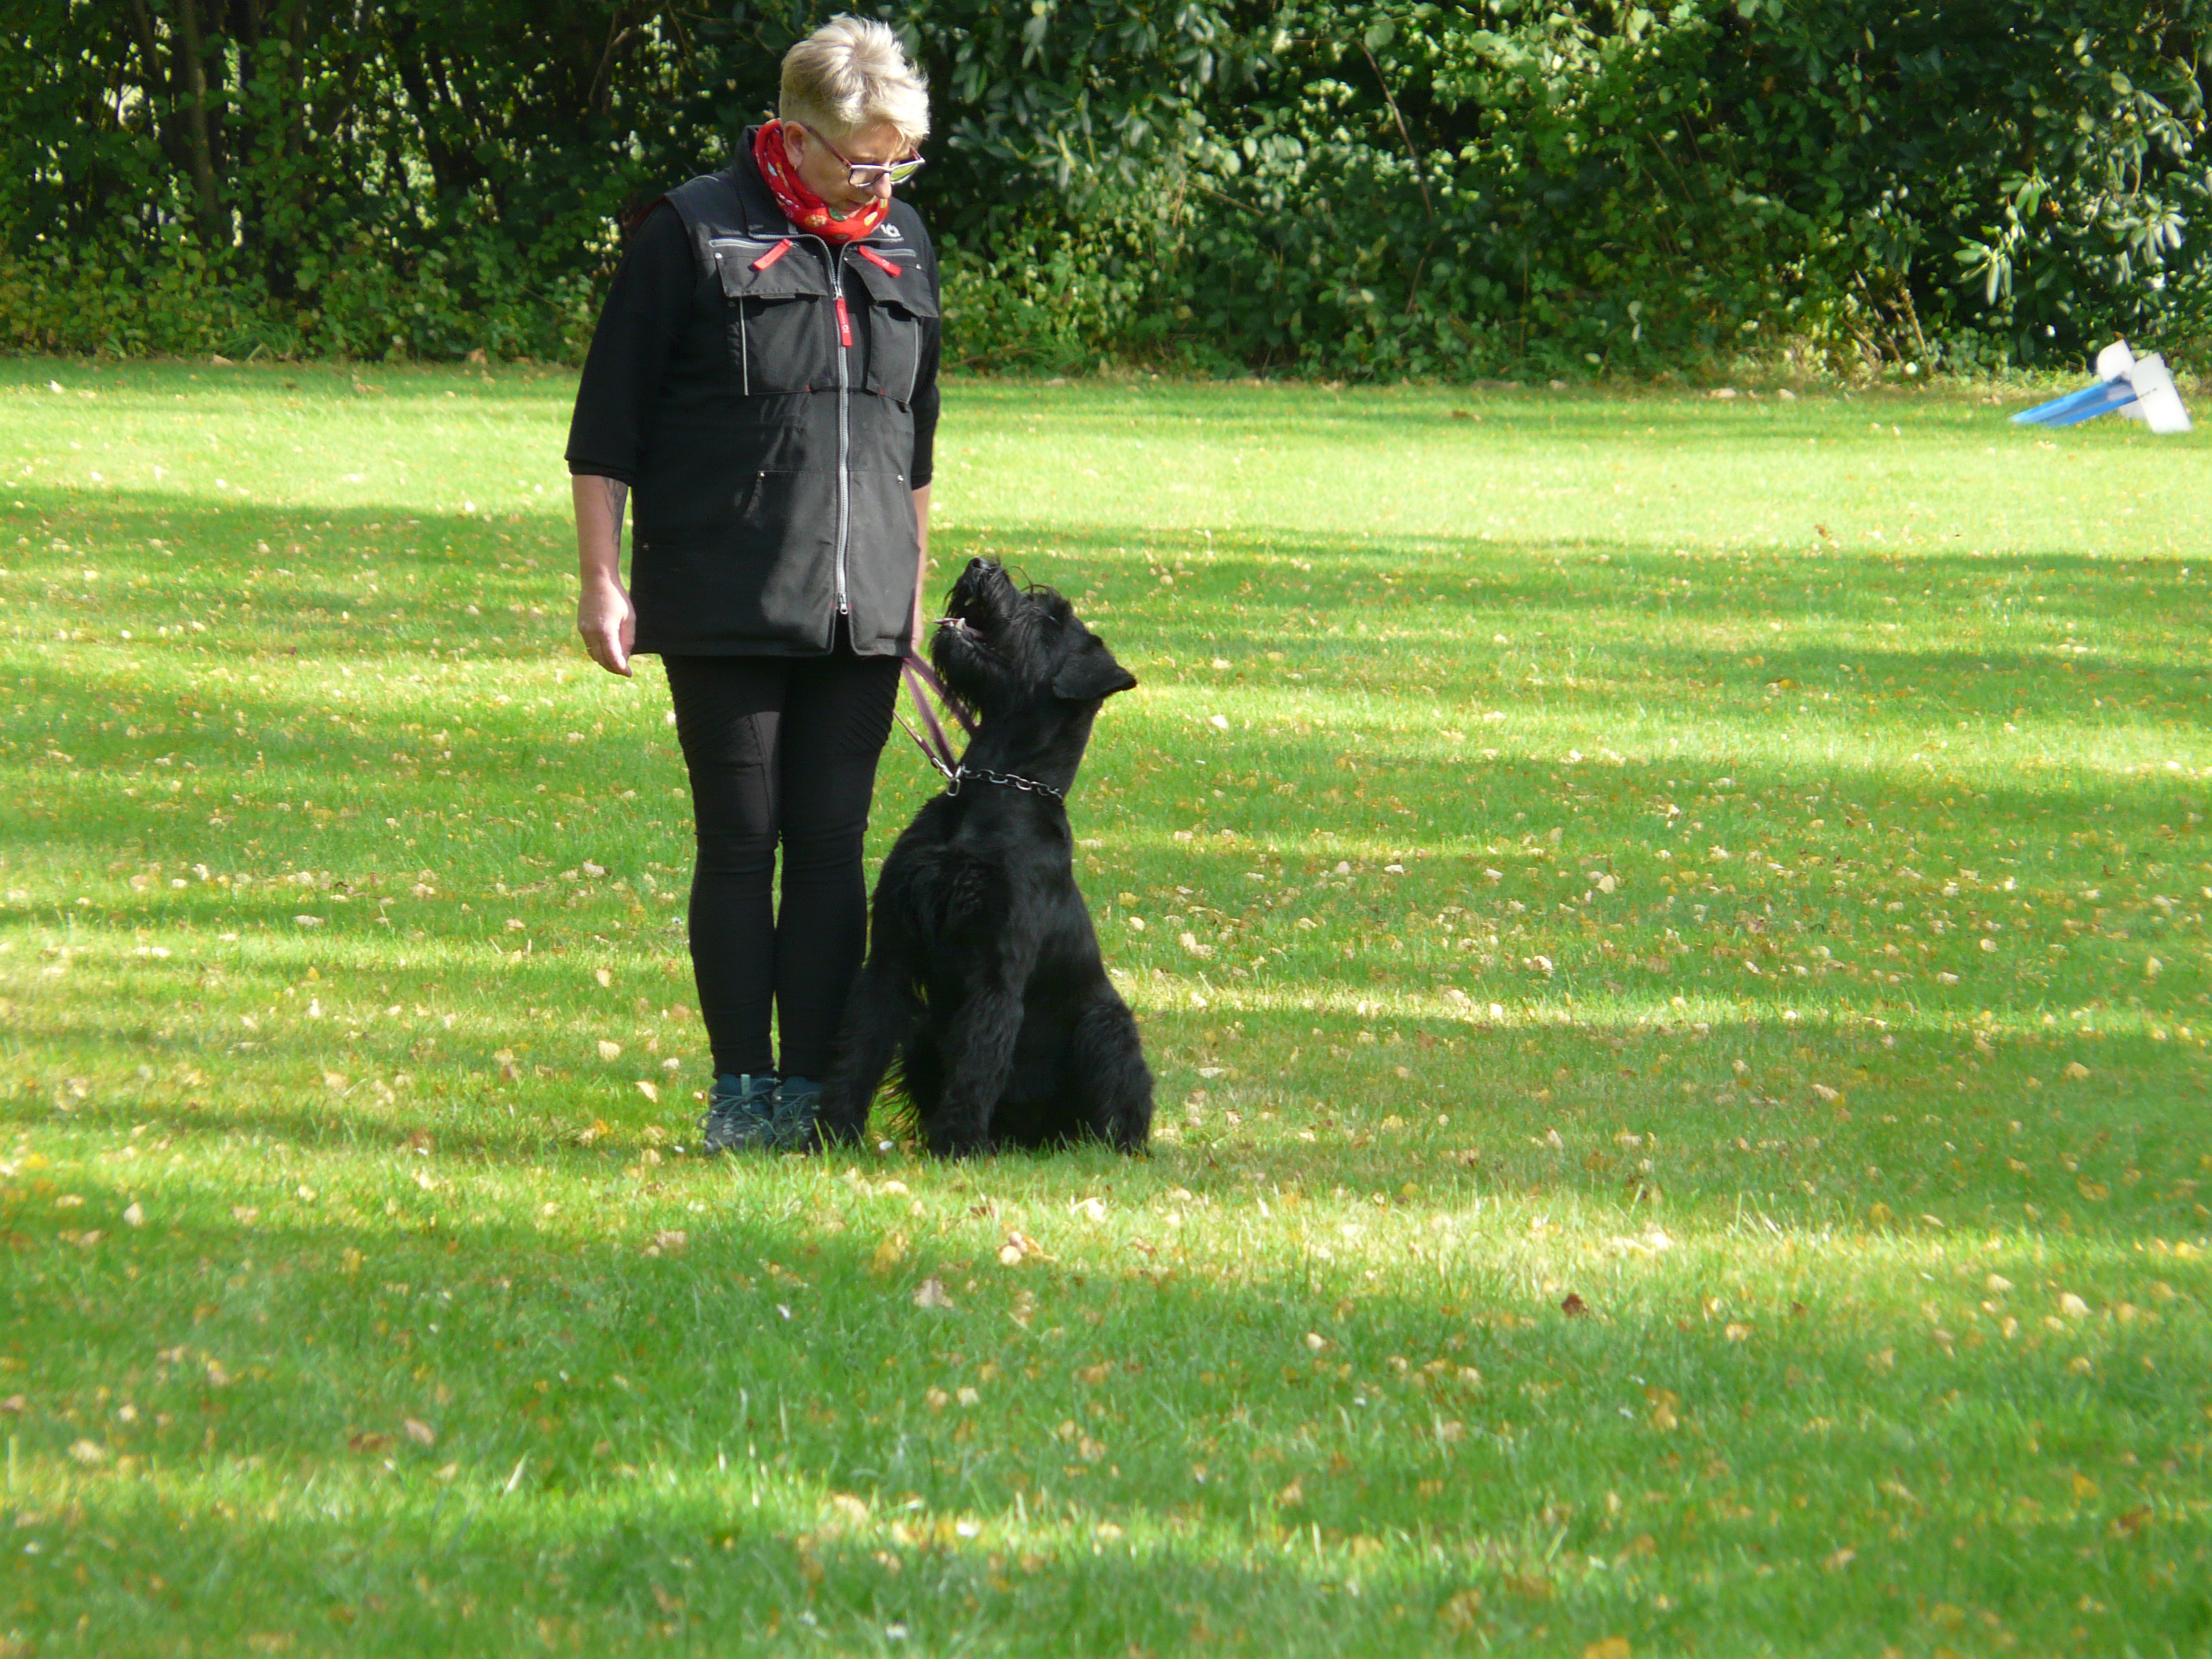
x,y
960,1143
835,1130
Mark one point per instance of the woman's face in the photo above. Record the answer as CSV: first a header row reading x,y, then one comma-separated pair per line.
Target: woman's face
x,y
827,176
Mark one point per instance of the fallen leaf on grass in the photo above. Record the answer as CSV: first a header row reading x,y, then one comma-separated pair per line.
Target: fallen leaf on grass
x,y
932,1295
1290,1496
1574,1307
888,1253
1463,1611
1842,1558
89,1452
1607,1647
610,1050
419,1431
648,1090
669,1241
135,1216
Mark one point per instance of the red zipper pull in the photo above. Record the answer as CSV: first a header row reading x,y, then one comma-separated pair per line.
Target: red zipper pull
x,y
890,266
773,255
844,323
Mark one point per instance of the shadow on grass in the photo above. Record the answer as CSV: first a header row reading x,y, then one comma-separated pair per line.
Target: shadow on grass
x,y
1358,1118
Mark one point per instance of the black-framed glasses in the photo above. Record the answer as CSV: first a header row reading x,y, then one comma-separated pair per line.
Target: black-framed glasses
x,y
866,175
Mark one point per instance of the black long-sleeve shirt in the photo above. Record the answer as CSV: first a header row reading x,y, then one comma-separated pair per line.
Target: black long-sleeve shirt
x,y
648,308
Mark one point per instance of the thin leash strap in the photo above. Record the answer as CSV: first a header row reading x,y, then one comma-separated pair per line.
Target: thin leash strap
x,y
937,748
921,675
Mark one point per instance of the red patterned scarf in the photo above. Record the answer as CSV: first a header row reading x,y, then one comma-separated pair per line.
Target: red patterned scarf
x,y
801,205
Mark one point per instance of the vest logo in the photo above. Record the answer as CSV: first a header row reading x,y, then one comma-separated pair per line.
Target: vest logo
x,y
890,233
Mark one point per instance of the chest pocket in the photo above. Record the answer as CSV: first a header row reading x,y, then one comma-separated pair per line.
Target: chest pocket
x,y
782,327
898,300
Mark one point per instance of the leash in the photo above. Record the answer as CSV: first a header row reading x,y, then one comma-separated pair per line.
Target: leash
x,y
920,681
937,748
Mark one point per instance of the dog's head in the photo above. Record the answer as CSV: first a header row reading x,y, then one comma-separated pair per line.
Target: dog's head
x,y
1000,647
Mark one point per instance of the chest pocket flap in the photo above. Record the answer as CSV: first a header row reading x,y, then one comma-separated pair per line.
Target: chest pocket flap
x,y
898,300
782,334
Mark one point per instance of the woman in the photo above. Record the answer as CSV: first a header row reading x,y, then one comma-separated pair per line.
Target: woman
x,y
764,377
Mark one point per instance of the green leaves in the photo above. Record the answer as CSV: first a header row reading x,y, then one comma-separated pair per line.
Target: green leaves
x,y
1355,188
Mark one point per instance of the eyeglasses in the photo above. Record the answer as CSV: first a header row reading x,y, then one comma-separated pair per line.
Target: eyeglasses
x,y
865,175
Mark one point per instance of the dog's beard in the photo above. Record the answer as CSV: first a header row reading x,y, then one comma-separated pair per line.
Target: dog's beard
x,y
958,633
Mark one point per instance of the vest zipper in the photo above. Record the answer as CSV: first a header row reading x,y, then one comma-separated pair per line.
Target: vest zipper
x,y
844,433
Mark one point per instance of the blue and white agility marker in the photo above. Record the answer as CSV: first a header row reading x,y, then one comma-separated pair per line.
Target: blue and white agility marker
x,y
2140,389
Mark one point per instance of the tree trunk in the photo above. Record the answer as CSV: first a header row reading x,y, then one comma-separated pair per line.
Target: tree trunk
x,y
453,169
160,82
213,223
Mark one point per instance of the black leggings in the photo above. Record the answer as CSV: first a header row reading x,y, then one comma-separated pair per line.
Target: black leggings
x,y
780,748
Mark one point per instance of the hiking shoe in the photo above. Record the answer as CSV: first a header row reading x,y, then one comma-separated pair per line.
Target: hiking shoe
x,y
740,1113
797,1102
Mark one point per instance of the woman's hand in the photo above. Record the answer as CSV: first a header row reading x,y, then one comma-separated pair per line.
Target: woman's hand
x,y
604,616
608,622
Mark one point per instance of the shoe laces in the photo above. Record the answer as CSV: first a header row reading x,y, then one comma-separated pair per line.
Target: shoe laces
x,y
754,1095
798,1106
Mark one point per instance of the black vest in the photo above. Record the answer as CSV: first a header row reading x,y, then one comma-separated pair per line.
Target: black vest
x,y
774,494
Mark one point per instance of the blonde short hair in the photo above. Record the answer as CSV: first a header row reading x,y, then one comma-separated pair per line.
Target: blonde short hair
x,y
852,73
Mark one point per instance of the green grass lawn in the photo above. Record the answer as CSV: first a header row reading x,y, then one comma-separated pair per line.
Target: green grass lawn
x,y
1671,933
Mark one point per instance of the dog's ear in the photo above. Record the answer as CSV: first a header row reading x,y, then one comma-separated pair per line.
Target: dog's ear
x,y
1090,673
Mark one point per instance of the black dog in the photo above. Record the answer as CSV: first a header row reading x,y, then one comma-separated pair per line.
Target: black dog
x,y
983,980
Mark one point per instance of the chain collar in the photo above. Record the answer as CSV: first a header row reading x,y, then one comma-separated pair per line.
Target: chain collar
x,y
1010,779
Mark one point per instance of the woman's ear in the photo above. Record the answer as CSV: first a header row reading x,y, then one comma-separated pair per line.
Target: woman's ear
x,y
1091,674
